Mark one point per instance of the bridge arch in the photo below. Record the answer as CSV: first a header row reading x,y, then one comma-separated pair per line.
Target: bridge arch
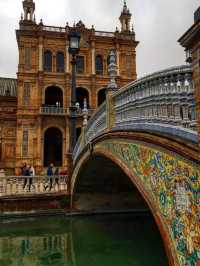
x,y
138,185
166,196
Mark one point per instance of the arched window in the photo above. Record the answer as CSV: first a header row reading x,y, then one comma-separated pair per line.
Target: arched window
x,y
99,65
81,94
101,96
48,61
60,63
80,64
54,96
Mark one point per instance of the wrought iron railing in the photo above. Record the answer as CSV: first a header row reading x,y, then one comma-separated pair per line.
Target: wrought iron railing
x,y
27,185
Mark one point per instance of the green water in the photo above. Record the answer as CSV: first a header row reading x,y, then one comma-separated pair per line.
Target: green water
x,y
109,240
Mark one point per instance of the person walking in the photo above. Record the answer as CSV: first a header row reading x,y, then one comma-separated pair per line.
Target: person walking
x,y
26,172
50,174
56,173
32,174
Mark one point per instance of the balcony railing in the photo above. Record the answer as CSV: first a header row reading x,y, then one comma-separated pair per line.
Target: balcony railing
x,y
27,185
53,110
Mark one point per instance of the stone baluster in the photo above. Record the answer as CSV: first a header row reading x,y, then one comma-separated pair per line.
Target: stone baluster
x,y
172,90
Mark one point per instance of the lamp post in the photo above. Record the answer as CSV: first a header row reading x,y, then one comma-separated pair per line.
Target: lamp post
x,y
74,47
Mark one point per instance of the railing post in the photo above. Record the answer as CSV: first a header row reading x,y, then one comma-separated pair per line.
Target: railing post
x,y
110,110
111,88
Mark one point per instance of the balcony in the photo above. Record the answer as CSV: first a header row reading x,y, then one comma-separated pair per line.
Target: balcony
x,y
54,110
60,111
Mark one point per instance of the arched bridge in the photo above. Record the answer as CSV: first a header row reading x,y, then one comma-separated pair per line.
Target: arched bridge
x,y
147,130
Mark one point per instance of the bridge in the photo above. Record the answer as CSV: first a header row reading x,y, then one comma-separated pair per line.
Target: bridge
x,y
141,143
147,131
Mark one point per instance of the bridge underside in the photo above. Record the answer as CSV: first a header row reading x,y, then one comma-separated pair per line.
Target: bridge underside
x,y
102,185
166,177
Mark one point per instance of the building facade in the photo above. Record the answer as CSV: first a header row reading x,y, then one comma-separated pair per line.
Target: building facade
x,y
191,41
35,121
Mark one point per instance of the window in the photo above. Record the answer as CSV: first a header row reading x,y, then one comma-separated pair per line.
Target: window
x,y
60,62
26,93
48,61
99,65
80,64
128,65
25,143
27,58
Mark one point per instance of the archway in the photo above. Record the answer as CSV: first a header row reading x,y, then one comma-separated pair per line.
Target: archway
x,y
101,96
81,94
53,146
106,186
117,159
102,185
54,96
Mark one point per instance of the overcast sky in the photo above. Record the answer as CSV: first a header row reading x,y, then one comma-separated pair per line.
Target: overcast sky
x,y
158,24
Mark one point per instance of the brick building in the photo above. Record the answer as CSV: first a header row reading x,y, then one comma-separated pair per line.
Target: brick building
x,y
191,41
34,116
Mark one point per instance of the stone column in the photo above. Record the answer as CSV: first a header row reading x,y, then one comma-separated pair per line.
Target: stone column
x,y
117,59
93,58
67,58
40,55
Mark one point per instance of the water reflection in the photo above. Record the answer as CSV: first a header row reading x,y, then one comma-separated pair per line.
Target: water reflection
x,y
49,250
107,240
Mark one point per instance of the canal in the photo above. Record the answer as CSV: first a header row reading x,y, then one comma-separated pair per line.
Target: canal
x,y
102,240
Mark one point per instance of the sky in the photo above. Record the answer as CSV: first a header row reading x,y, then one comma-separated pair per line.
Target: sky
x,y
158,25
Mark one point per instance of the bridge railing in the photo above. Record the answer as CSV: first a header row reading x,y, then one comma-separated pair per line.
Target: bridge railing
x,y
27,185
165,97
164,100
97,124
95,127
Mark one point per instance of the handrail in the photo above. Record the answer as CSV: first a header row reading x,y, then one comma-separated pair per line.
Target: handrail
x,y
164,98
54,110
29,185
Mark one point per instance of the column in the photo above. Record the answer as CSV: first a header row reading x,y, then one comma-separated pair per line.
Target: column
x,y
117,57
67,58
93,58
40,57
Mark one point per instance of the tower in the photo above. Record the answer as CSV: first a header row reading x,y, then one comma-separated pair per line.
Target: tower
x,y
44,83
125,18
29,8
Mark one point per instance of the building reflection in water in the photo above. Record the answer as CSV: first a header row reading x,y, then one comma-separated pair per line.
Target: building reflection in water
x,y
55,249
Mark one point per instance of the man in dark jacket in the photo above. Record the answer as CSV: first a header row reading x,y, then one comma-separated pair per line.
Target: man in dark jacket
x,y
50,174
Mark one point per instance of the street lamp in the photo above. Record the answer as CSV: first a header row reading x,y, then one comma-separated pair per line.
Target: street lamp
x,y
74,47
